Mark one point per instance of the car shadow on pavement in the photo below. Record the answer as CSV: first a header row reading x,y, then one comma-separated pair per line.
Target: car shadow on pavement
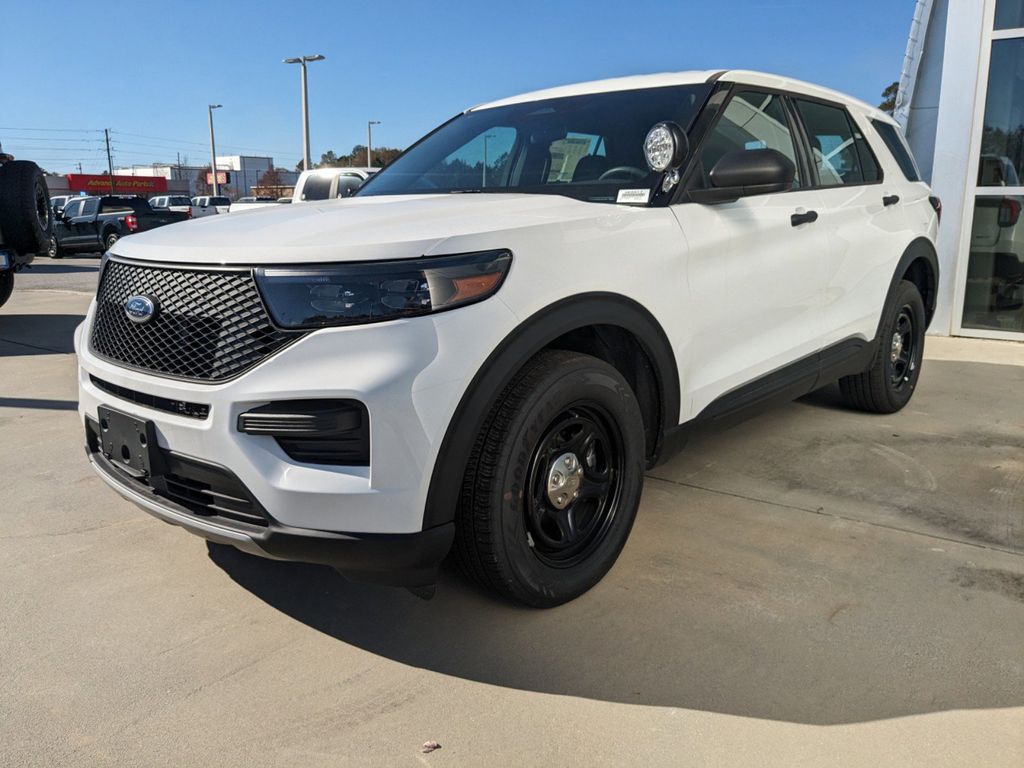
x,y
38,403
37,334
63,269
665,647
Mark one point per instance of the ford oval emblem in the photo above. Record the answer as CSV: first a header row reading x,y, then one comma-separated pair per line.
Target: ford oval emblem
x,y
140,309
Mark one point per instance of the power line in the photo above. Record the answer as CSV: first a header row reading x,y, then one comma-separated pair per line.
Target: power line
x,y
52,130
49,139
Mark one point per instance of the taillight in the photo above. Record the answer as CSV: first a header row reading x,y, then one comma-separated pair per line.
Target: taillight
x,y
131,222
1009,212
189,210
937,205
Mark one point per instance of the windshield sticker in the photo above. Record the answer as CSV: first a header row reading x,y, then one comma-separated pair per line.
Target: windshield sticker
x,y
633,196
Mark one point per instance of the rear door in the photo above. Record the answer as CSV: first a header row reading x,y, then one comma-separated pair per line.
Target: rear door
x,y
862,212
756,275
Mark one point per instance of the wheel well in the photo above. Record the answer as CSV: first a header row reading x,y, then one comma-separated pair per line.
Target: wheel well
x,y
921,274
624,352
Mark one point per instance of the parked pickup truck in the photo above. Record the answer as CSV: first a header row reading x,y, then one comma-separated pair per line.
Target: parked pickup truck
x,y
96,223
221,203
184,204
26,218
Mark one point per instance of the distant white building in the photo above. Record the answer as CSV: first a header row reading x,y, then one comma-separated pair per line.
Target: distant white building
x,y
243,172
961,102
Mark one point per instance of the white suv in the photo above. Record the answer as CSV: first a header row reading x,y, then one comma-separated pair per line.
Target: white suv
x,y
485,347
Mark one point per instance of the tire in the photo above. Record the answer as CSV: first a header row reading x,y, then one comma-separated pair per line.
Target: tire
x,y
54,251
888,385
511,536
110,240
26,218
6,285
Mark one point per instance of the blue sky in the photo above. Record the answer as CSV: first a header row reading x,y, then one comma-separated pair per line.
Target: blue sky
x,y
148,70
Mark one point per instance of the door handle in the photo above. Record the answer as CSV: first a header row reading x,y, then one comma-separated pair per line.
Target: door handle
x,y
803,218
890,200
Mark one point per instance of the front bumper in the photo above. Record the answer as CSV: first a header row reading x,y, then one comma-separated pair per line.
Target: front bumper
x,y
404,560
367,521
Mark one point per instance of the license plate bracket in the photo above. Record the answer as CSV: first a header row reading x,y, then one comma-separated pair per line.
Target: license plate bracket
x,y
128,442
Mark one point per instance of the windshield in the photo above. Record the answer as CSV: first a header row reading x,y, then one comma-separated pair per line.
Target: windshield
x,y
588,147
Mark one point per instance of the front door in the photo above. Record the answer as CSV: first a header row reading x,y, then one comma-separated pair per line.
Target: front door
x,y
756,274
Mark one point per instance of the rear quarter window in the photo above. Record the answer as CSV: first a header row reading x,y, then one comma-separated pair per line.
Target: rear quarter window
x,y
893,140
316,188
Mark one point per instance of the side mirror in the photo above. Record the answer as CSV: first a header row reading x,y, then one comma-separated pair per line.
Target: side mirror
x,y
747,172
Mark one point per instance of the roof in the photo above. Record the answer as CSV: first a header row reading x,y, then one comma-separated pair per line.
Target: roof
x,y
692,77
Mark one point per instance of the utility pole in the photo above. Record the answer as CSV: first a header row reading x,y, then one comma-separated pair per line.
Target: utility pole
x,y
302,60
370,141
79,169
213,151
110,161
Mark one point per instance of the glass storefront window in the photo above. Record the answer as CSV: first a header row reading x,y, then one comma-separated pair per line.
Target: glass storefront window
x,y
1009,14
994,295
1002,138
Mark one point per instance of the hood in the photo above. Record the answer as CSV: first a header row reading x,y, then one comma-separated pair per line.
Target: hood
x,y
356,229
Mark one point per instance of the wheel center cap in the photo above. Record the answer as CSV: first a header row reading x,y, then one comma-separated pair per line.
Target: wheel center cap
x,y
897,347
564,479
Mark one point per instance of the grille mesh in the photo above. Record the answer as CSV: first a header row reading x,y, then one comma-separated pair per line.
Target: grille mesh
x,y
208,326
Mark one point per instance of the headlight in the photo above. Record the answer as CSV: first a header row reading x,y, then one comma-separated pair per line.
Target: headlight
x,y
368,292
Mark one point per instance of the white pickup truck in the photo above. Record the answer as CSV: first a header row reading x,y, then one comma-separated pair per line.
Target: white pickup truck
x,y
218,202
183,204
329,183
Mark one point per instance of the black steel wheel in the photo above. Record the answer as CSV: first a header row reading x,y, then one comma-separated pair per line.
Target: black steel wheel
x,y
575,475
553,483
889,383
902,349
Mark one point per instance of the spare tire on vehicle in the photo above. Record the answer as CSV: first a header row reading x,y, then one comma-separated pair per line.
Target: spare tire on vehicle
x,y
26,219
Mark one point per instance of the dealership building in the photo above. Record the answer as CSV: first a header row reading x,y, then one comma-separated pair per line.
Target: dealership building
x,y
961,103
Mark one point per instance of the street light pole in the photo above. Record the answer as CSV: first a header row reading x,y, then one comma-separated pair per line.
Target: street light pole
x,y
369,141
302,60
213,151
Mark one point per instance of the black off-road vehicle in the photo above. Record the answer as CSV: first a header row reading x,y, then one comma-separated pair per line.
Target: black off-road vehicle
x,y
26,218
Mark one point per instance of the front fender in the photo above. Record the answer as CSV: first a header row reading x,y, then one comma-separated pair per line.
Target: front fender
x,y
529,338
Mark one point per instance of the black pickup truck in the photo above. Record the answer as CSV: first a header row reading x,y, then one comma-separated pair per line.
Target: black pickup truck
x,y
96,223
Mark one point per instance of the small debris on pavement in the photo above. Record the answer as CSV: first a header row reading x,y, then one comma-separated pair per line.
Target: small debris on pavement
x,y
429,746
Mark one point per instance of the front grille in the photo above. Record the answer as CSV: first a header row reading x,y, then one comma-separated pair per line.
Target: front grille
x,y
208,325
179,407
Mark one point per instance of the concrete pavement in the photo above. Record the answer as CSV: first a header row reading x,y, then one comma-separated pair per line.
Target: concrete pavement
x,y
813,587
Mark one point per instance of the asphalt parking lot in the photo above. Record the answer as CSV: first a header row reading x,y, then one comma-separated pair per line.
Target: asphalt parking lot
x,y
813,587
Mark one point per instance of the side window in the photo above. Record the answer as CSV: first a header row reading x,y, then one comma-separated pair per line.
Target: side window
x,y
751,120
72,209
91,206
348,185
841,153
894,142
567,153
316,188
483,161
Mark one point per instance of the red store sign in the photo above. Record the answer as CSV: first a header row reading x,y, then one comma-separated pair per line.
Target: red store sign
x,y
98,184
